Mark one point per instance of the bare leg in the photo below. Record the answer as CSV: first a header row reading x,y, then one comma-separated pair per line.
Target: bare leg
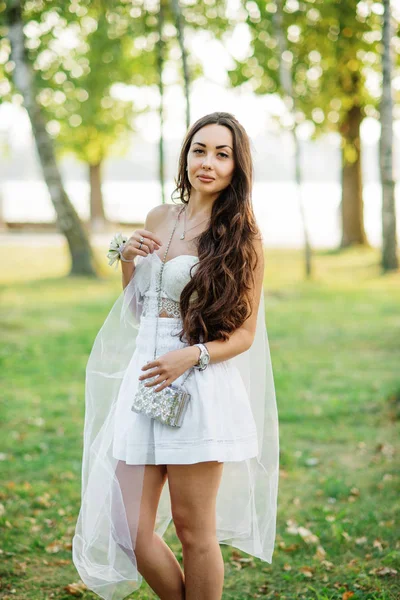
x,y
193,491
155,560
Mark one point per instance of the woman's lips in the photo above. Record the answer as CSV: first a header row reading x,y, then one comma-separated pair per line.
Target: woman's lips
x,y
205,178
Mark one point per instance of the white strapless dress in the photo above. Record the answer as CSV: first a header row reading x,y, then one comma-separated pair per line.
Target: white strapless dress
x,y
218,424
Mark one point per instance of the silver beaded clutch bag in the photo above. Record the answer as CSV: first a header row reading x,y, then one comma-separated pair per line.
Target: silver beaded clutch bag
x,y
169,405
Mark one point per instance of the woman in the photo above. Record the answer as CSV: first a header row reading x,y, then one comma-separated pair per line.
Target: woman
x,y
216,475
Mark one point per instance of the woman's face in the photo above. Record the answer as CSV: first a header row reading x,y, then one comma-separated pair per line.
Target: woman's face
x,y
211,154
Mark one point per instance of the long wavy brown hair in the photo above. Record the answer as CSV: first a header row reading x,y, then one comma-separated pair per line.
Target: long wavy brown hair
x,y
215,302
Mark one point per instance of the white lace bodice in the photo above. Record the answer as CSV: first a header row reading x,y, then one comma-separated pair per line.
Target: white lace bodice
x,y
176,275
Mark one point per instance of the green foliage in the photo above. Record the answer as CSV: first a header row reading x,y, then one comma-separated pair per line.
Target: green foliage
x,y
334,346
81,51
334,50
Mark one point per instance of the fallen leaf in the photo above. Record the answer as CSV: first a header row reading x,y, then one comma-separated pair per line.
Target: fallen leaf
x,y
75,589
378,544
307,571
320,553
303,532
43,500
307,536
347,595
22,566
54,547
386,449
328,565
361,540
291,548
264,587
383,571
353,562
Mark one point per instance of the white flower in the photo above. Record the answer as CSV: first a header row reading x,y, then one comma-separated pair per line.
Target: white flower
x,y
117,244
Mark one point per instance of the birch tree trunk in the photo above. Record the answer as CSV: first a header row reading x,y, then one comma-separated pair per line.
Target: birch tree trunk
x,y
177,11
97,217
3,226
160,64
389,258
68,222
286,80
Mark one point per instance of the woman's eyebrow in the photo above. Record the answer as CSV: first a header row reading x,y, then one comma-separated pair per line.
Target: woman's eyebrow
x,y
222,146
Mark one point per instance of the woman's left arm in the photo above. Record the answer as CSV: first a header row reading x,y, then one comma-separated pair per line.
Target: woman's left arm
x,y
168,367
242,338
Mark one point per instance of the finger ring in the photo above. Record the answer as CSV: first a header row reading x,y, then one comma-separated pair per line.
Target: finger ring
x,y
142,239
140,245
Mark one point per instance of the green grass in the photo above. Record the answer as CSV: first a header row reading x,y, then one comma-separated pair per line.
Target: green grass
x,y
335,350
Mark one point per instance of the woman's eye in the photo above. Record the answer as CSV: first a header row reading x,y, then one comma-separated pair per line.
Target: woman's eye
x,y
220,153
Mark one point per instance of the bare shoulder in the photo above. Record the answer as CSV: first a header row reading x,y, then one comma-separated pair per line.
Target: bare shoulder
x,y
158,215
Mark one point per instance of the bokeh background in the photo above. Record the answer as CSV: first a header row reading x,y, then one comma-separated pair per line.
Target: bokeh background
x,y
95,99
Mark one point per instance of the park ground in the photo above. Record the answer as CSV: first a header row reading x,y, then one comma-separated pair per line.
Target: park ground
x,y
335,348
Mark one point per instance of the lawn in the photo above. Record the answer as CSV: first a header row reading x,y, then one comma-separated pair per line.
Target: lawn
x,y
336,354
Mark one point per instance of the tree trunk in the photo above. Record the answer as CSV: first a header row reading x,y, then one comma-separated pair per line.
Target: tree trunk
x,y
286,81
68,222
160,64
2,223
389,258
97,217
352,201
176,9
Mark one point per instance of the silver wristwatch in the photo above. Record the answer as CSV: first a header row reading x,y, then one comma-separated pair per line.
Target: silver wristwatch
x,y
204,357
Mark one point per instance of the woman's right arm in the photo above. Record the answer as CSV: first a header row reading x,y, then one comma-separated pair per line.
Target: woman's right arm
x,y
151,242
128,269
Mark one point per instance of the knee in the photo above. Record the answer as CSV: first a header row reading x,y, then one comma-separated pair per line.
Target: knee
x,y
192,534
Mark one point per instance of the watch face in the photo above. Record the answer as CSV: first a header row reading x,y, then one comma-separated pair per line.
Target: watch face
x,y
204,360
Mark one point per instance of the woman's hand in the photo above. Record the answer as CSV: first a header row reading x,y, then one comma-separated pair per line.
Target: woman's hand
x,y
150,243
170,366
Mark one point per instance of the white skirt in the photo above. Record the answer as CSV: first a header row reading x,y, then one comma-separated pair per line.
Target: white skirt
x,y
217,426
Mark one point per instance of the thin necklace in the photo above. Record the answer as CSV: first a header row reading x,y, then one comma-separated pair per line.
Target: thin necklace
x,y
182,237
